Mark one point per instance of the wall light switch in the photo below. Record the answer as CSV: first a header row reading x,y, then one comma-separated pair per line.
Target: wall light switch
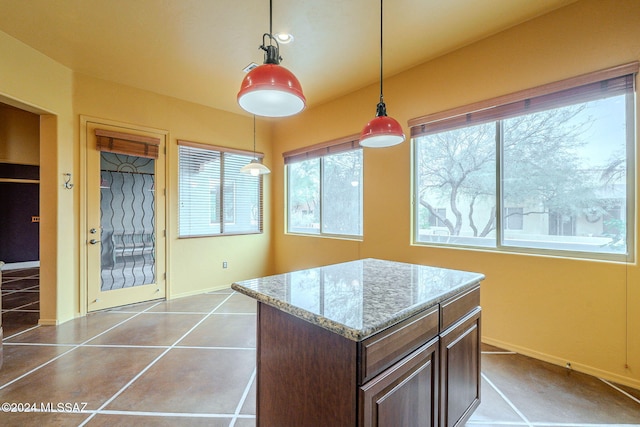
x,y
224,264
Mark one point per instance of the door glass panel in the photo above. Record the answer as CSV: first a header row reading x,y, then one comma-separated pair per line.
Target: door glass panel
x,y
127,221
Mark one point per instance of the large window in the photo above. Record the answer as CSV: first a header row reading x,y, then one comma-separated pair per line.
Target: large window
x,y
545,170
214,197
324,189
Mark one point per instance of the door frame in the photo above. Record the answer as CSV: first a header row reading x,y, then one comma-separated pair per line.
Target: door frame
x,y
162,229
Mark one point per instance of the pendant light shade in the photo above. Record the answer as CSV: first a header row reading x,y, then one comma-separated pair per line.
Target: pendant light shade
x,y
254,167
271,90
382,131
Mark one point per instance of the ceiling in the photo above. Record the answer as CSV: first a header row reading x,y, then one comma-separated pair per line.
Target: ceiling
x,y
196,49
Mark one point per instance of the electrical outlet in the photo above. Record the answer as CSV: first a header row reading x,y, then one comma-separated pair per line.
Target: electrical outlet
x,y
224,264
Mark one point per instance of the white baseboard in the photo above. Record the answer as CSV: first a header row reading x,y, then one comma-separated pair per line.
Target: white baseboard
x,y
586,369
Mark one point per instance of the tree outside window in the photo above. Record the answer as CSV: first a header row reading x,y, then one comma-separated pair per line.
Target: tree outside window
x,y
562,173
324,194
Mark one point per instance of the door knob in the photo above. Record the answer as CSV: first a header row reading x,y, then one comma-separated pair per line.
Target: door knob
x,y
94,241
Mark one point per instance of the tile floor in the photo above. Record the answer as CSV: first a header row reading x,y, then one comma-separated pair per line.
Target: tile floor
x,y
191,362
20,299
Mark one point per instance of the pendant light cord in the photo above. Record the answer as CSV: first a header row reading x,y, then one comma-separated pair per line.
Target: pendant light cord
x,y
270,20
272,53
381,96
254,137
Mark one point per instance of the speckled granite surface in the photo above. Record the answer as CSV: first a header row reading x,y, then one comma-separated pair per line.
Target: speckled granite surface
x,y
359,298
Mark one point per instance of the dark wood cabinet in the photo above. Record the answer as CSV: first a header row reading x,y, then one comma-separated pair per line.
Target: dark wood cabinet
x,y
421,370
408,375
405,394
306,375
460,370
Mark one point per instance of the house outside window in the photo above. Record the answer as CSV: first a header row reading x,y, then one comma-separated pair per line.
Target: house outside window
x,y
438,217
324,189
513,219
562,224
214,198
548,173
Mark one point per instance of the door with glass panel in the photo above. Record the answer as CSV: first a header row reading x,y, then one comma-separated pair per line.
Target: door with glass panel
x,y
125,216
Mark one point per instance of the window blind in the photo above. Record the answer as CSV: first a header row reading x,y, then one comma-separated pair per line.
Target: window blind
x,y
214,197
334,146
588,87
129,144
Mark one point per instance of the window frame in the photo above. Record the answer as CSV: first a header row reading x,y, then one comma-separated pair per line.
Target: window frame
x,y
482,111
222,183
320,151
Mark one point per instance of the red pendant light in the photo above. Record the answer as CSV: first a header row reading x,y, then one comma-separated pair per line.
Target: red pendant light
x,y
381,131
271,90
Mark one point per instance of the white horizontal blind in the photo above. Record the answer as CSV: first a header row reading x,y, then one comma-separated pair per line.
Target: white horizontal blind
x,y
214,197
242,202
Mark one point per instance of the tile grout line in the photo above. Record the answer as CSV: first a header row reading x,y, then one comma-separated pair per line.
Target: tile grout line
x,y
180,347
76,346
499,423
19,307
243,398
94,412
13,310
506,399
191,312
37,344
569,424
160,414
27,289
150,365
620,390
20,333
195,347
17,279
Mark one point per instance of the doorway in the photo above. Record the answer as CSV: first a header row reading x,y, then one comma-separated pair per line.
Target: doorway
x,y
125,215
19,217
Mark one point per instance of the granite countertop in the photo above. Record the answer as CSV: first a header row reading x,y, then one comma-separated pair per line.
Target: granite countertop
x,y
359,298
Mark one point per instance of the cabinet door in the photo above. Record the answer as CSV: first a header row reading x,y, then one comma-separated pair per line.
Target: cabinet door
x,y
404,395
460,371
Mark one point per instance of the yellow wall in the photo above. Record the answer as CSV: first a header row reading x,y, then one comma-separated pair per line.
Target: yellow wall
x,y
559,310
33,82
19,136
195,264
585,312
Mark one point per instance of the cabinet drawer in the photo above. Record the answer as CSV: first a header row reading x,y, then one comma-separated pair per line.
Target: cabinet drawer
x,y
406,394
455,308
387,347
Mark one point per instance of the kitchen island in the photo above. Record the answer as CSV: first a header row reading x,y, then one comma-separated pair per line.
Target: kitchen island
x,y
367,343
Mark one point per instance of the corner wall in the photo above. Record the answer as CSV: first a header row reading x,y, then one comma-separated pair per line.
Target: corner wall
x,y
556,309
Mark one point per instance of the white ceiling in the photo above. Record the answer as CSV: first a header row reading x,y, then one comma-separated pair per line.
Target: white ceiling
x,y
196,49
